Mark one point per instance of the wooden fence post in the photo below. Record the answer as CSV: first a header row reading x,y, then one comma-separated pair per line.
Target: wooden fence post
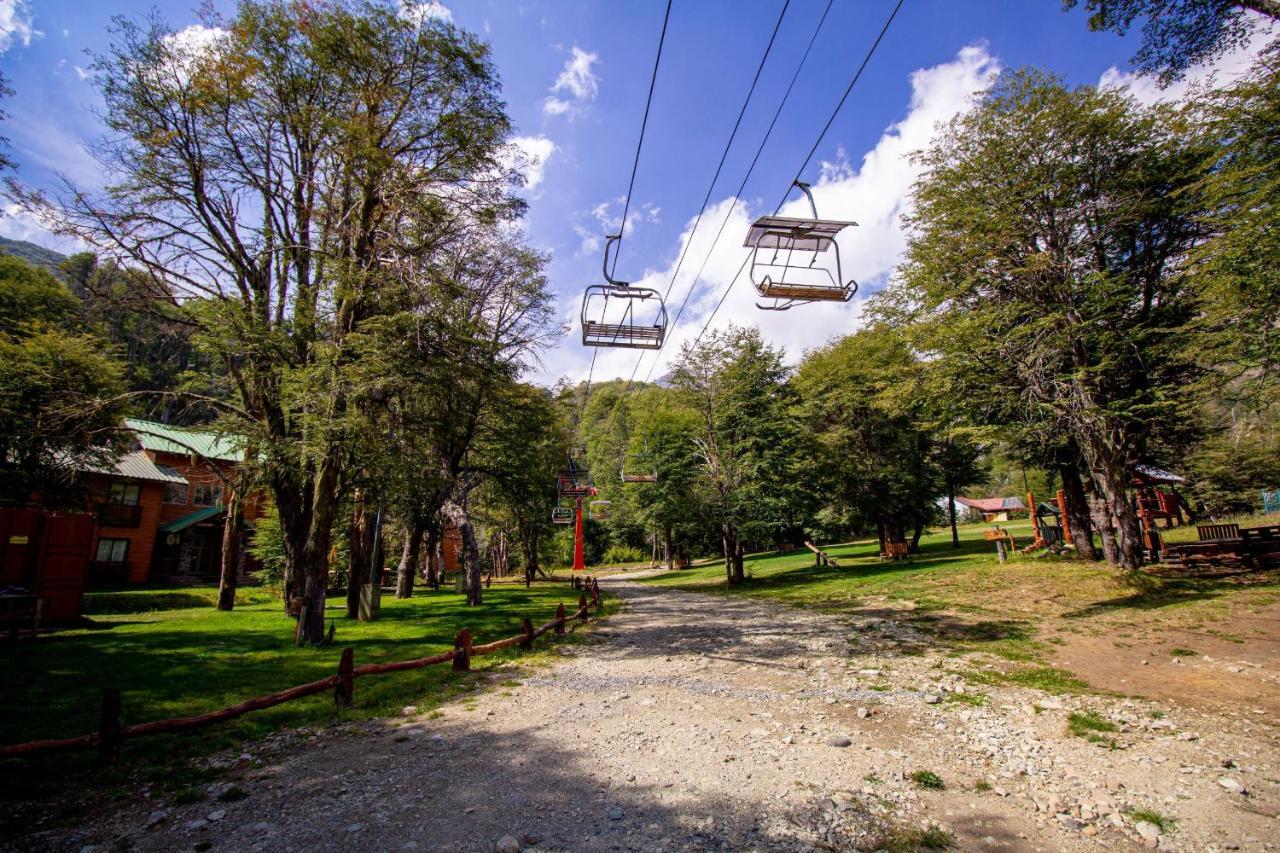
x,y
526,630
560,618
109,728
595,592
462,645
582,605
344,693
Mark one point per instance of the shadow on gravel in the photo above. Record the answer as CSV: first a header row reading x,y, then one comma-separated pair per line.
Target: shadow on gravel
x,y
436,786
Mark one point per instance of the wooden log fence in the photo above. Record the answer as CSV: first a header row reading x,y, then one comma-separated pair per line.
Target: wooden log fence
x,y
111,733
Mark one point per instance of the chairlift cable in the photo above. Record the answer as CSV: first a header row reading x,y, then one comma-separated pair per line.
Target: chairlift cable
x,y
711,187
826,128
729,144
644,122
750,169
759,150
635,166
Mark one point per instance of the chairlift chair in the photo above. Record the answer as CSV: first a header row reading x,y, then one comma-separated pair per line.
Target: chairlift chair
x,y
562,515
785,255
642,469
639,320
601,510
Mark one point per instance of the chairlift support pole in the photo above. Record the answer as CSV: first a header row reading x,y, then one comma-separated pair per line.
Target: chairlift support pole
x,y
579,564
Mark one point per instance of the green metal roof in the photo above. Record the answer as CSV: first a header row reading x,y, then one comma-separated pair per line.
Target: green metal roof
x,y
187,520
185,441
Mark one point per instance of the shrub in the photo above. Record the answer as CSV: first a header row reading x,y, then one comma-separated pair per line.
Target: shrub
x,y
616,554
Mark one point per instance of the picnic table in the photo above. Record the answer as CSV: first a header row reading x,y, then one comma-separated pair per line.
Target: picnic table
x,y
1229,545
20,611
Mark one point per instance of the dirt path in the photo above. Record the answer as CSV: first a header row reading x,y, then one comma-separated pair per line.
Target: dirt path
x,y
692,721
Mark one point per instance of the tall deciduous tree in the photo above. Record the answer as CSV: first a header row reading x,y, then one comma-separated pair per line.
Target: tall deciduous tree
x,y
59,393
280,173
1177,34
1050,234
751,454
880,466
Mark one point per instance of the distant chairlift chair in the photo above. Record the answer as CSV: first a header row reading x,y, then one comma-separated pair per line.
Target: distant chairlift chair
x,y
784,259
562,515
641,467
601,510
600,329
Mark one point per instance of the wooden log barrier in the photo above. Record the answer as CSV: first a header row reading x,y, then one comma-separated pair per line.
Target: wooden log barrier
x,y
111,732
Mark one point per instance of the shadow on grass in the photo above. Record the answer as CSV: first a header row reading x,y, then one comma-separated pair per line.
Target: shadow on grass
x,y
1170,588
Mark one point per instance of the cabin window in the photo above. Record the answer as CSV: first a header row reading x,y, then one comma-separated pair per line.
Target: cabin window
x,y
177,493
124,494
112,550
207,494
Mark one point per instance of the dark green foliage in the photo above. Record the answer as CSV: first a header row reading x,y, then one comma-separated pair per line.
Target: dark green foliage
x,y
927,779
59,410
1177,34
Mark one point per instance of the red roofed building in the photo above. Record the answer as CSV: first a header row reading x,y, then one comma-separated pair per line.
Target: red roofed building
x,y
991,509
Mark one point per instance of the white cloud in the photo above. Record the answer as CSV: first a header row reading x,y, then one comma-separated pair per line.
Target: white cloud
x,y
420,13
529,155
17,24
17,224
82,73
556,106
875,194
575,87
1221,72
188,47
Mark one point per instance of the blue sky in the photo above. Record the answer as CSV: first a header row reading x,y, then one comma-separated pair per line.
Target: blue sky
x,y
575,76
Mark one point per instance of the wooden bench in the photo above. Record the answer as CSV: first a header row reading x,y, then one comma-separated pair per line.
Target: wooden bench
x,y
1261,545
1217,532
896,551
20,613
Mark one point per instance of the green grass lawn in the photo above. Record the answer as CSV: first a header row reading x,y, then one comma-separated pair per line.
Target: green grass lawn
x,y
172,654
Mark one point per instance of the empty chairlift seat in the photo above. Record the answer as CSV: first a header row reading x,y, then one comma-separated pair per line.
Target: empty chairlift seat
x,y
619,314
561,515
790,264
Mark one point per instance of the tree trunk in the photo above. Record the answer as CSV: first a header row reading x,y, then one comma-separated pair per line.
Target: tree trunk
x,y
232,540
916,534
364,522
729,542
666,539
312,558
409,559
1102,525
432,539
1077,510
457,515
1111,477
951,515
739,555
529,545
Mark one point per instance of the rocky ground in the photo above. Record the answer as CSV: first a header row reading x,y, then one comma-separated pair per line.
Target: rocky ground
x,y
699,722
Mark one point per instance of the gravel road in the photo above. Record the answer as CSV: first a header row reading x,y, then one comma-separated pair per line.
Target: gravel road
x,y
699,722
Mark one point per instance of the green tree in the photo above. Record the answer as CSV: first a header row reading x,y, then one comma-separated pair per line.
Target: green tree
x,y
880,467
1048,238
272,183
1177,34
749,450
60,405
